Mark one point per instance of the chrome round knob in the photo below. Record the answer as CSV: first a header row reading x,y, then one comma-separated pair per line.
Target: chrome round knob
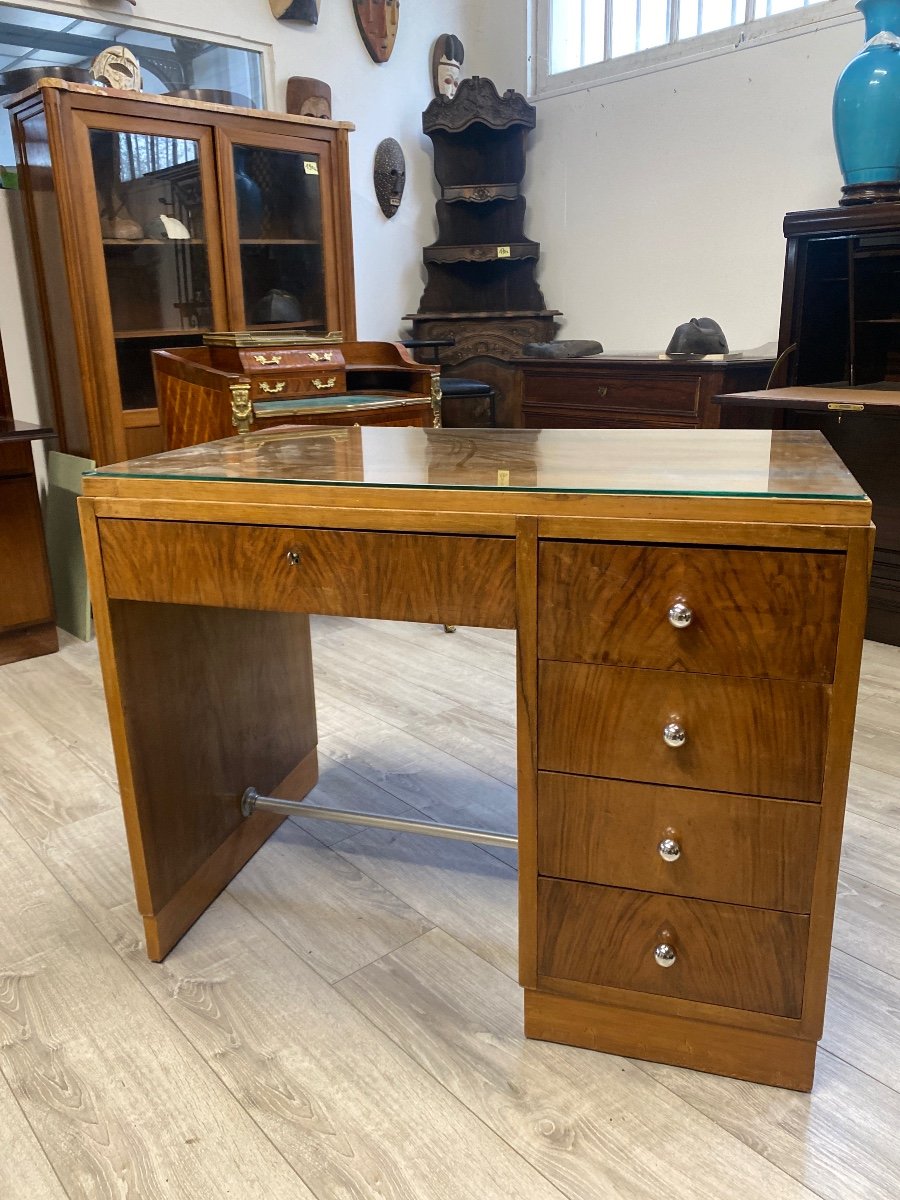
x,y
669,850
680,615
664,955
674,735
293,557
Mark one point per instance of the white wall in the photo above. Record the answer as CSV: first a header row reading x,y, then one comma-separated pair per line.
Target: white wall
x,y
662,197
381,100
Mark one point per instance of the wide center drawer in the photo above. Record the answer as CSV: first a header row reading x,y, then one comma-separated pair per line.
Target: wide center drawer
x,y
725,954
434,578
763,737
706,845
743,612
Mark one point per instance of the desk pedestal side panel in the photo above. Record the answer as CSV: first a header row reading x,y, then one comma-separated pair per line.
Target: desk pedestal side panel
x,y
212,698
686,883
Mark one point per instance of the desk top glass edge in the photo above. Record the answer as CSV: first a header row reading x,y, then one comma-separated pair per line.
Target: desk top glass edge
x,y
787,464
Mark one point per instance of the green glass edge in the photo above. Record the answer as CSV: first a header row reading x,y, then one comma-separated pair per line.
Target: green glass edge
x,y
484,487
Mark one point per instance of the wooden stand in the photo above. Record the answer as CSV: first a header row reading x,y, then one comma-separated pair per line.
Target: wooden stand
x,y
481,297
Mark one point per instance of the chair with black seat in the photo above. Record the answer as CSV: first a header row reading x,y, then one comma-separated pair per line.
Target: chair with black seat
x,y
453,387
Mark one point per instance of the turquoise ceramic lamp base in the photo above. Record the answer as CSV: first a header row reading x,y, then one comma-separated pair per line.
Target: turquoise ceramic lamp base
x,y
866,111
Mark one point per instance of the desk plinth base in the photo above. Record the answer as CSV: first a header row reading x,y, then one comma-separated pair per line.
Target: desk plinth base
x,y
749,1054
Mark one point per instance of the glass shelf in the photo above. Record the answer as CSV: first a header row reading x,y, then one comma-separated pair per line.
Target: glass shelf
x,y
280,242
153,242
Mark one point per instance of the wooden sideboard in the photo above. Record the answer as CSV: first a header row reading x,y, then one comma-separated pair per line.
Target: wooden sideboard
x,y
689,607
27,621
607,391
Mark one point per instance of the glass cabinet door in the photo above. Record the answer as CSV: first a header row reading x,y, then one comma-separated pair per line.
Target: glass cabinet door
x,y
281,218
153,226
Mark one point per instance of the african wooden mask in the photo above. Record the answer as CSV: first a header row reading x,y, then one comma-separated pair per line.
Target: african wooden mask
x,y
117,67
308,97
378,21
296,10
389,175
446,65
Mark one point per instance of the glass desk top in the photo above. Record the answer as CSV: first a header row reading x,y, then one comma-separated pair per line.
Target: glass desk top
x,y
704,462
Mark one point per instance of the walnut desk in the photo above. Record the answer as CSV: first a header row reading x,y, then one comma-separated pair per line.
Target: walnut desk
x,y
689,608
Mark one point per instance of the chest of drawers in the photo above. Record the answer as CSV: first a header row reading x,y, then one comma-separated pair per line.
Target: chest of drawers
x,y
684,704
629,391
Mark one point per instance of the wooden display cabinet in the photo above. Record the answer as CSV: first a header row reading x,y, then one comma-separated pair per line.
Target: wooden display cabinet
x,y
257,236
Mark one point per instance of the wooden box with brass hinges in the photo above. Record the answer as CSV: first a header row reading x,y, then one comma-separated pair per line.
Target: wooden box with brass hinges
x,y
240,382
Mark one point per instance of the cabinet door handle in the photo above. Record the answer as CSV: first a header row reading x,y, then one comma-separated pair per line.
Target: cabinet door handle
x,y
272,389
680,615
674,735
323,385
267,362
664,955
602,390
669,850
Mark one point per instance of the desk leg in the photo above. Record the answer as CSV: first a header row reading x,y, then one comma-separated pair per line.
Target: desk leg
x,y
203,702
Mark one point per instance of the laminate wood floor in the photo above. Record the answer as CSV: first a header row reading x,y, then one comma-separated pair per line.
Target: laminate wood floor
x,y
344,1022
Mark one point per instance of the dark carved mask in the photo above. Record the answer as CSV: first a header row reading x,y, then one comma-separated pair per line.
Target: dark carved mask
x,y
389,175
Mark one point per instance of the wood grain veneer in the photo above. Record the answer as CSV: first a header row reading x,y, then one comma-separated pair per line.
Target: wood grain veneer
x,y
201,727
401,577
754,614
736,849
746,958
754,736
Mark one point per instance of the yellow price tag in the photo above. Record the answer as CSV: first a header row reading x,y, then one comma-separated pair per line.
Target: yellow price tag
x,y
503,252
311,168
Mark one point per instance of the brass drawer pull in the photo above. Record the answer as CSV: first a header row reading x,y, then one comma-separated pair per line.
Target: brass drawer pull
x,y
669,850
664,955
680,615
293,557
267,362
272,389
323,385
325,356
674,735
